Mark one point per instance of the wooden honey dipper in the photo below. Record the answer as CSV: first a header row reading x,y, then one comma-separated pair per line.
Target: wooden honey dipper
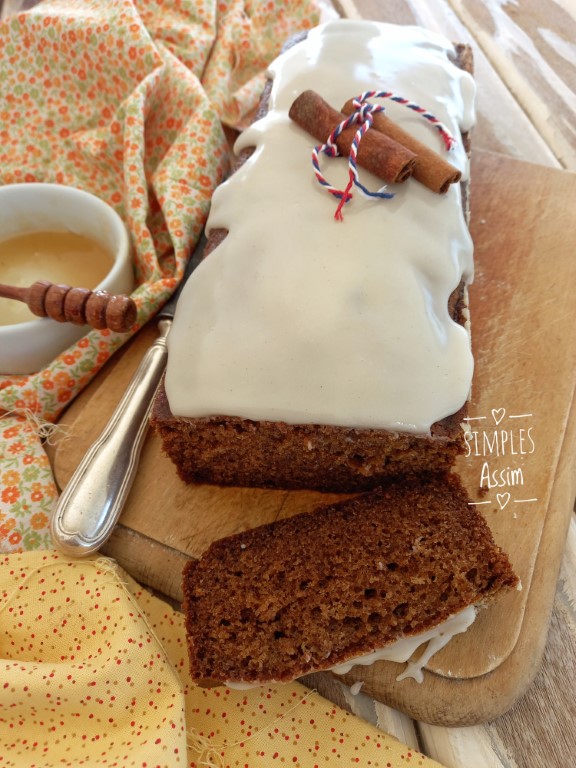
x,y
75,305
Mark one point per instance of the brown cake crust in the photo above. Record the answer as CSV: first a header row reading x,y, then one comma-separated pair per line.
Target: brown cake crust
x,y
228,450
312,591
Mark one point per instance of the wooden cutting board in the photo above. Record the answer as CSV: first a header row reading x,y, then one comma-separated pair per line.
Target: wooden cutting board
x,y
524,445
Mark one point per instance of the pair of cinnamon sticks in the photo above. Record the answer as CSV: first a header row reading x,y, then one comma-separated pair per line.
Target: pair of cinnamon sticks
x,y
388,151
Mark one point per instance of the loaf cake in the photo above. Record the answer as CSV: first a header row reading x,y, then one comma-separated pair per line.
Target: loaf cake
x,y
364,579
313,353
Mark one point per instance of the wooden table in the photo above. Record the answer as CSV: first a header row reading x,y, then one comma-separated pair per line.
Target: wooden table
x,y
524,57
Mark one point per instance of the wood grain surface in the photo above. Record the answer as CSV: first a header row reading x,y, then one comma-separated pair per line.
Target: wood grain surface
x,y
521,415
524,63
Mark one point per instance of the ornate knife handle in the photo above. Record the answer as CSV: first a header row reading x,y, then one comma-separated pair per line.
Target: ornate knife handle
x,y
92,501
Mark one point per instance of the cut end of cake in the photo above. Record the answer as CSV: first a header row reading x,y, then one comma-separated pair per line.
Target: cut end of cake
x,y
230,451
318,590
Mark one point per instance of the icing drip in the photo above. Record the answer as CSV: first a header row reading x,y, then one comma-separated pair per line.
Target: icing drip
x,y
436,638
298,318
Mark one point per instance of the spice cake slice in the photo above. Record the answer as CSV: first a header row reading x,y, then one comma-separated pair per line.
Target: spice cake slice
x,y
368,578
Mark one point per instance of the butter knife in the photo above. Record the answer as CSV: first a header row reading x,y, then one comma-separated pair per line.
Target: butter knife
x,y
91,503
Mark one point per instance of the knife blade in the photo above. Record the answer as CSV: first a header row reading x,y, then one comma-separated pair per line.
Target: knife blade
x,y
92,501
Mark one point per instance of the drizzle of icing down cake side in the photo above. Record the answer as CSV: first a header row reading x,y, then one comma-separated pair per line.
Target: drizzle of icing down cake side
x,y
309,353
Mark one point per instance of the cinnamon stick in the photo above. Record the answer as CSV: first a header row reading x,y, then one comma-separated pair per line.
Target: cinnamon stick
x,y
431,169
377,153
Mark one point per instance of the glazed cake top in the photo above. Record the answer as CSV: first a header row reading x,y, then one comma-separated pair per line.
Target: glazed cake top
x,y
299,318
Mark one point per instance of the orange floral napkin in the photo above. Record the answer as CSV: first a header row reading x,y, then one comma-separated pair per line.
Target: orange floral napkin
x,y
125,99
27,488
93,671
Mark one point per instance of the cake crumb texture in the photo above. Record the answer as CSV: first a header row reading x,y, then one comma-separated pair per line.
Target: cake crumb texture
x,y
312,591
226,450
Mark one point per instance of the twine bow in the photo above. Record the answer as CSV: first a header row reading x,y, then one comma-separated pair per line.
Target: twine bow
x,y
363,116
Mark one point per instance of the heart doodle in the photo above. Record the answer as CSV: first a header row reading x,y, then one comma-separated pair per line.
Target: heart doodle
x,y
498,414
503,499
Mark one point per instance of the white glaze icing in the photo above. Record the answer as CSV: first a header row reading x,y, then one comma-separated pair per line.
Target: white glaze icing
x,y
299,318
400,651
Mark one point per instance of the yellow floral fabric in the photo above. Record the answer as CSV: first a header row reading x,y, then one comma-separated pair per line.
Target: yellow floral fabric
x,y
94,673
124,99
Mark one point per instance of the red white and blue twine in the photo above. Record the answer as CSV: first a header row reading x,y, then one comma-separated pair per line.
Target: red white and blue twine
x,y
363,116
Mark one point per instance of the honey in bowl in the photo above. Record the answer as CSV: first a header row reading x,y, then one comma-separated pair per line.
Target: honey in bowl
x,y
60,257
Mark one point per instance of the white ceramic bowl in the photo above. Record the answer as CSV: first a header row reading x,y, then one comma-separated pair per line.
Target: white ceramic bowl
x,y
27,208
